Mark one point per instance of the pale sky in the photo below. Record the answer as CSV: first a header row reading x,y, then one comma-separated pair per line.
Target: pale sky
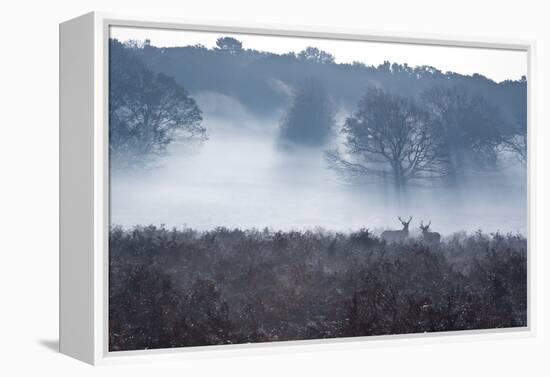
x,y
498,65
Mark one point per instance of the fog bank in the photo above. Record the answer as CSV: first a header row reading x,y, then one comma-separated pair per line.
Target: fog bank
x,y
241,177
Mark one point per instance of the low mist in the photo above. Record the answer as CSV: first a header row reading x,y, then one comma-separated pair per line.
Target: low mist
x,y
242,177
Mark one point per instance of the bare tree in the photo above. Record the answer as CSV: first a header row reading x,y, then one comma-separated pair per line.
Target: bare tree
x,y
392,138
516,141
518,145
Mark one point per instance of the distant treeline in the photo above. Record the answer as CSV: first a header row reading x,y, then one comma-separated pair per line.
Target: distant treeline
x,y
174,288
255,77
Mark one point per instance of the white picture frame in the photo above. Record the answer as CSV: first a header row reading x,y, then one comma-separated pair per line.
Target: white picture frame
x,y
84,186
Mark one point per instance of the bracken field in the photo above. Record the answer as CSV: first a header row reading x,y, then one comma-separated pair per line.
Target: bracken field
x,y
181,287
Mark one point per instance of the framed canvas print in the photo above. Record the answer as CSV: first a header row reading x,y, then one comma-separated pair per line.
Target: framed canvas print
x,y
228,186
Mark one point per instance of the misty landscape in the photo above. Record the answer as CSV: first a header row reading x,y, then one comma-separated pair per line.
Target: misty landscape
x,y
259,196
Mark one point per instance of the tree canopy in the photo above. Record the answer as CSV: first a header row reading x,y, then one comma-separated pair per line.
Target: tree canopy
x,y
229,44
472,128
248,74
147,111
310,117
314,55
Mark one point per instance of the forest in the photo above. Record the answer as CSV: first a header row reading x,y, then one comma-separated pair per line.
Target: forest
x,y
173,288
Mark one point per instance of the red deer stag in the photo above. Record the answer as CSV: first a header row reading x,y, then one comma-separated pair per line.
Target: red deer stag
x,y
397,235
430,237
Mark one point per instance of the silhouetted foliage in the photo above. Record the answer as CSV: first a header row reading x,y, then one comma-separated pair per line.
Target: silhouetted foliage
x,y
173,288
310,117
471,127
228,44
147,110
314,55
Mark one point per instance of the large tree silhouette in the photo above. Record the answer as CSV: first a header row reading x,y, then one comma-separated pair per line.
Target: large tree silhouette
x,y
147,111
391,138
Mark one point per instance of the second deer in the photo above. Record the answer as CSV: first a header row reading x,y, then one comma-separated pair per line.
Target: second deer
x,y
430,237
